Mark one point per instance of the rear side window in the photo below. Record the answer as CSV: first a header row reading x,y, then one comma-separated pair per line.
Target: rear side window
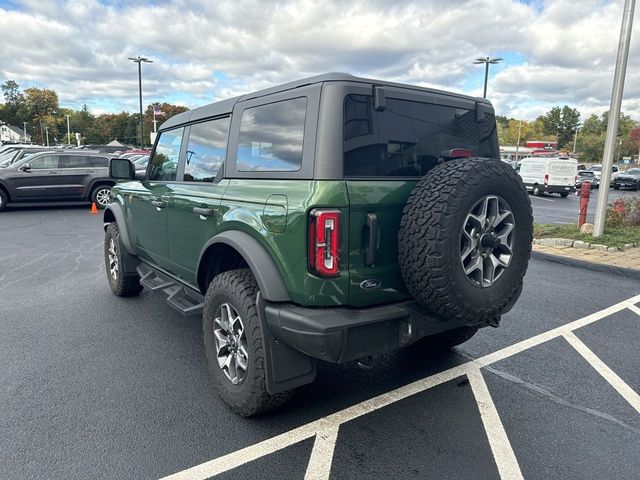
x,y
271,137
164,163
409,138
74,161
47,161
206,149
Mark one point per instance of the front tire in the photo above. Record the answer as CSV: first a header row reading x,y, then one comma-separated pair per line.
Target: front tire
x,y
121,283
564,195
233,342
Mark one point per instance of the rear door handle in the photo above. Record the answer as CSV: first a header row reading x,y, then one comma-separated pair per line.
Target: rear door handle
x,y
370,254
205,212
52,172
159,203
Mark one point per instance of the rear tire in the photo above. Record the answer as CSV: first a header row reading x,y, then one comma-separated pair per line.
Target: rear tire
x,y
446,340
232,334
3,200
564,195
536,191
101,195
121,283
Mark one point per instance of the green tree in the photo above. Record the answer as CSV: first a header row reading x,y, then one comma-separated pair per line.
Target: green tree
x,y
563,123
13,109
41,106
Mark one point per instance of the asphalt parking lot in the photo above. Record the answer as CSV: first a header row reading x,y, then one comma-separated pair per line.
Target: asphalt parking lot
x,y
95,386
554,209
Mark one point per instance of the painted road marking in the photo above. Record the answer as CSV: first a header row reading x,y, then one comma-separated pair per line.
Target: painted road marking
x,y
506,460
319,467
325,424
545,199
628,393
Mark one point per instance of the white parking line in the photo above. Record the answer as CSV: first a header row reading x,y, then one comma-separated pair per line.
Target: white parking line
x,y
609,375
506,460
544,199
271,445
319,467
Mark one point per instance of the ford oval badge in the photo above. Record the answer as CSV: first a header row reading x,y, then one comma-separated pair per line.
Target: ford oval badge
x,y
370,283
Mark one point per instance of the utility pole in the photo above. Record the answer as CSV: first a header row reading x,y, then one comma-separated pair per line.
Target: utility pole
x,y
575,141
24,128
46,129
68,132
614,116
139,61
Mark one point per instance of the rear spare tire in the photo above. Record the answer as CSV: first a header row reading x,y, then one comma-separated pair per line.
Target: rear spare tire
x,y
465,239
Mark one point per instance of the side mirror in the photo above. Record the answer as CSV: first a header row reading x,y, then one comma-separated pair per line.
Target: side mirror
x,y
26,167
121,169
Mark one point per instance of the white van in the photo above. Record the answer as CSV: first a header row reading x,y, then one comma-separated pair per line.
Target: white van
x,y
549,174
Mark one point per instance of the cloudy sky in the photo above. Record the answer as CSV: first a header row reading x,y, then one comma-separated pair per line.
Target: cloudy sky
x,y
555,52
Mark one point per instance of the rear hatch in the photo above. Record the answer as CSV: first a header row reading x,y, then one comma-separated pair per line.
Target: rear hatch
x,y
386,151
562,172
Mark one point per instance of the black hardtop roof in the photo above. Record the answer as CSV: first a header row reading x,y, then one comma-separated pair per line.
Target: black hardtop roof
x,y
226,106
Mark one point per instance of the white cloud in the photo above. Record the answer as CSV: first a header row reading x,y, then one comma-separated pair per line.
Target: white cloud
x,y
556,52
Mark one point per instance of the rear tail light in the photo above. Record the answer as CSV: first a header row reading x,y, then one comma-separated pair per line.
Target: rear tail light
x,y
546,179
324,242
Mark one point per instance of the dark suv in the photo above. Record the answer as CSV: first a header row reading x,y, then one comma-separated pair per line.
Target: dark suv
x,y
56,176
326,219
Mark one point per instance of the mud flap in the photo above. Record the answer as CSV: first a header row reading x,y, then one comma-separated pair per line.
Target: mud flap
x,y
285,367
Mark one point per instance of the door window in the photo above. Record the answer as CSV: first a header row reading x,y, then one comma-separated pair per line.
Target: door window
x,y
47,161
74,161
99,161
164,163
271,137
206,150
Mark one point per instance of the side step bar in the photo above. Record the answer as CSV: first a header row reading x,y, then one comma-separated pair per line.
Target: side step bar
x,y
179,297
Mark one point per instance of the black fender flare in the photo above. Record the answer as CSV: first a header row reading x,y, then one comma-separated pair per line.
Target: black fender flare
x,y
264,269
113,213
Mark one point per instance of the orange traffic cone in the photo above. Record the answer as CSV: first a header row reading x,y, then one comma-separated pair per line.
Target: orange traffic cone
x,y
94,209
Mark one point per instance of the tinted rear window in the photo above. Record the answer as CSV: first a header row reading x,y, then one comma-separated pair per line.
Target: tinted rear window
x,y
409,138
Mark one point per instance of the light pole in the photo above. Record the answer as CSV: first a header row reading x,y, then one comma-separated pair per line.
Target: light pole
x,y
68,132
614,116
139,61
486,61
24,124
46,129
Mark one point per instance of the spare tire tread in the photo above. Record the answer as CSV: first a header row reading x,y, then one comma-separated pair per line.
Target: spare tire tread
x,y
424,239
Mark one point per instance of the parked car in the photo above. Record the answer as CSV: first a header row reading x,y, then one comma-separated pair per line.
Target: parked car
x,y
549,175
629,179
597,170
22,151
325,219
586,176
56,176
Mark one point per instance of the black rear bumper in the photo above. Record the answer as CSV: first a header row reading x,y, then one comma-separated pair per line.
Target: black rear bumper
x,y
342,334
557,188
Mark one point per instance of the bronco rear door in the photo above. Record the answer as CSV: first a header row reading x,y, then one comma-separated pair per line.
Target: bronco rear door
x,y
389,144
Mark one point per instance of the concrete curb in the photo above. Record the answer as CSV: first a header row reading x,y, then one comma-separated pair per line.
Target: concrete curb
x,y
595,267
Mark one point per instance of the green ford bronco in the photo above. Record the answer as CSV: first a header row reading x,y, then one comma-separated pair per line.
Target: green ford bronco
x,y
328,219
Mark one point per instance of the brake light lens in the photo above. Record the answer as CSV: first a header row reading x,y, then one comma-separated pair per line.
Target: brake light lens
x,y
546,179
324,241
